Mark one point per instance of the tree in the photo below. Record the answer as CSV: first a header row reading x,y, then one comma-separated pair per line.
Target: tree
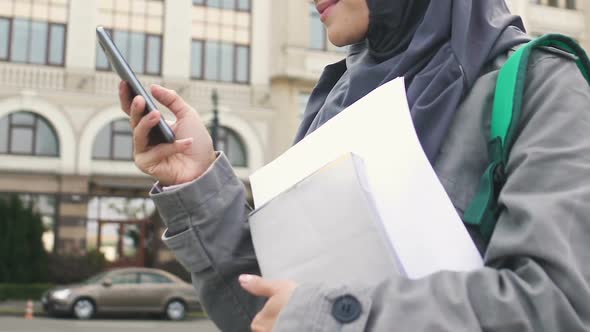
x,y
22,256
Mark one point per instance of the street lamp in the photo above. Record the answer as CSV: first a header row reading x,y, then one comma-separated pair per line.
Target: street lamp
x,y
215,121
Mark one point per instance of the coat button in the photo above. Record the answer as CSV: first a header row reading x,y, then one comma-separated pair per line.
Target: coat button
x,y
346,309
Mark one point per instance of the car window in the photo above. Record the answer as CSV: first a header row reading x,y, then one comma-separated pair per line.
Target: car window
x,y
124,278
152,278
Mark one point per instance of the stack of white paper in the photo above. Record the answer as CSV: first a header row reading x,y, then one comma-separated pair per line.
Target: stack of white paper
x,y
421,223
326,228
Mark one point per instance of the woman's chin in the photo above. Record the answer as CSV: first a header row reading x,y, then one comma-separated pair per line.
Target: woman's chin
x,y
343,36
340,40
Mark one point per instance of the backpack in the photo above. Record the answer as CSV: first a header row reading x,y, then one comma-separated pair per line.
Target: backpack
x,y
484,210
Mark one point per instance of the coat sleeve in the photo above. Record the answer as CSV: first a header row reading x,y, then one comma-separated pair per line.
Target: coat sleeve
x,y
207,229
537,273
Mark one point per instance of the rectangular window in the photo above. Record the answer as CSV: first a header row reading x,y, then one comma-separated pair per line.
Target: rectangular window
x,y
38,42
154,55
121,39
227,63
4,38
20,40
136,51
214,3
228,4
220,47
216,61
212,61
197,59
33,42
143,52
57,44
242,64
102,63
242,5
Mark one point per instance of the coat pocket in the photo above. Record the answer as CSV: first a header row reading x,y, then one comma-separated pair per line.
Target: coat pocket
x,y
188,250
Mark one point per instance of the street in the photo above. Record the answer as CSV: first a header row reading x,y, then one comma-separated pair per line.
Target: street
x,y
16,324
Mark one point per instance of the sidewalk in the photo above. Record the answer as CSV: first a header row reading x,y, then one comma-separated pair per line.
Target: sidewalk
x,y
17,308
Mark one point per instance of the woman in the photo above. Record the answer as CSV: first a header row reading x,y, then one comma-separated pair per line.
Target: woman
x,y
537,274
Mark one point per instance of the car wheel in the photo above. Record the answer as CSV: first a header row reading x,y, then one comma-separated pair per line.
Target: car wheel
x,y
175,310
83,309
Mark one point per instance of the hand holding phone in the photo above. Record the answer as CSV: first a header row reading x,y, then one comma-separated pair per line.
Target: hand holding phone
x,y
182,161
185,158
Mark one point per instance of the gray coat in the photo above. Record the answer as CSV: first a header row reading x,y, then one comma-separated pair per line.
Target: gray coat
x,y
537,274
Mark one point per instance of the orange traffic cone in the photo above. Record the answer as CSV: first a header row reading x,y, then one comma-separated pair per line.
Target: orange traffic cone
x,y
29,310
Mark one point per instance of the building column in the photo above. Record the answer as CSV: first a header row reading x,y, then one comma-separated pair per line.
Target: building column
x,y
81,35
261,43
177,36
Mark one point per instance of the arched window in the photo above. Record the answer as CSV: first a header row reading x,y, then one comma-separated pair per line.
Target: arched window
x,y
29,134
232,145
114,142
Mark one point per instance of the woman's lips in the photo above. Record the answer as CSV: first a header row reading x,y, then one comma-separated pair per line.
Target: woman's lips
x,y
325,7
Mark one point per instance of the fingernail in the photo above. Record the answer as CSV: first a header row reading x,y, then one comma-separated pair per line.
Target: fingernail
x,y
245,278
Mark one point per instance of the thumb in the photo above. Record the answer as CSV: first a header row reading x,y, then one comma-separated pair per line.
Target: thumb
x,y
257,286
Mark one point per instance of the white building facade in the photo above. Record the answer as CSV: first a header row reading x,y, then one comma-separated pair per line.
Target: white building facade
x,y
569,17
66,146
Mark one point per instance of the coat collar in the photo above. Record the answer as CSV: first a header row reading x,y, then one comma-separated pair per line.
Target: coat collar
x,y
330,76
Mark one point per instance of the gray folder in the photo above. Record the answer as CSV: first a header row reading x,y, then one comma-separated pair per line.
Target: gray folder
x,y
325,228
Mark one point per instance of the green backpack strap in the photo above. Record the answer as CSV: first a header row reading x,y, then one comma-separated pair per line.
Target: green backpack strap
x,y
484,210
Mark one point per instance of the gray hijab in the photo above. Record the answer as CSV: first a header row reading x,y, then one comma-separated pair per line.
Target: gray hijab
x,y
439,46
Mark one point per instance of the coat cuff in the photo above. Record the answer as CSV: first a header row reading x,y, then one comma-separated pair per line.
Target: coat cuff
x,y
313,307
177,204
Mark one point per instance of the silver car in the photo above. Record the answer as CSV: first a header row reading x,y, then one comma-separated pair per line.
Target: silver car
x,y
130,290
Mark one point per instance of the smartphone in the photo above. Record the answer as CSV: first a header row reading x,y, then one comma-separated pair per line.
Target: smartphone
x,y
162,133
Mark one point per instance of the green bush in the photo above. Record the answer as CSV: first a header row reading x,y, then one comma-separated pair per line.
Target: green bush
x,y
22,256
22,291
67,269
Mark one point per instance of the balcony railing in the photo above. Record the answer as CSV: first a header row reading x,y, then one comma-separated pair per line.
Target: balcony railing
x,y
55,79
32,77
